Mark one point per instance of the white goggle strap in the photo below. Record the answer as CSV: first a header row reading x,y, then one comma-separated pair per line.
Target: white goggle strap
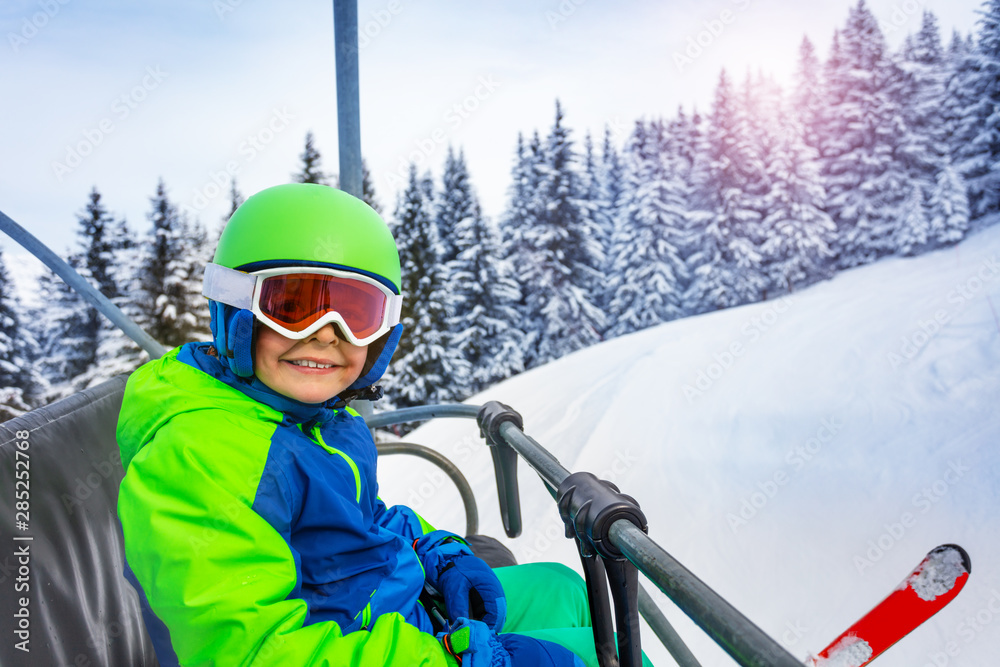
x,y
393,310
229,286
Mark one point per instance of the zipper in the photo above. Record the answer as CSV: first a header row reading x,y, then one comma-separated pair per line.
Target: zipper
x,y
333,450
366,613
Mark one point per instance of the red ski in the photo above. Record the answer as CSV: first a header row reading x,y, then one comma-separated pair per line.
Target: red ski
x,y
935,583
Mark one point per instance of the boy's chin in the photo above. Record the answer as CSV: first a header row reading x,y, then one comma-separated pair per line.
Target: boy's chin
x,y
316,397
304,393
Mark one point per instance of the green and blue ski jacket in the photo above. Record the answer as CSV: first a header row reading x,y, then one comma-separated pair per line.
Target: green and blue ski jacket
x,y
253,531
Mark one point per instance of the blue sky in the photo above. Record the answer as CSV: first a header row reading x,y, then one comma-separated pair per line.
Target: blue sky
x,y
119,94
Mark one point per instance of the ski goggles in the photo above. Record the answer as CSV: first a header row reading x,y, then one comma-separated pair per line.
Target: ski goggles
x,y
298,301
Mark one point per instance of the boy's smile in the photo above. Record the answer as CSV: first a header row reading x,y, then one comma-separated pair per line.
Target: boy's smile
x,y
311,370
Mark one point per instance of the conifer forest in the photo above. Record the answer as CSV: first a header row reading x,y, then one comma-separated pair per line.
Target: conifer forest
x,y
868,153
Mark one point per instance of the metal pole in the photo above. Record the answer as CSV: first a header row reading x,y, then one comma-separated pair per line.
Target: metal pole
x,y
662,628
422,413
81,286
345,28
345,44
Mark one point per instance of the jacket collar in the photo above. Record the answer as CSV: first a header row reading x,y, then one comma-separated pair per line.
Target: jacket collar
x,y
203,357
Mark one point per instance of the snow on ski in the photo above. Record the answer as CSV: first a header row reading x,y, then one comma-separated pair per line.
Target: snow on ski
x,y
927,590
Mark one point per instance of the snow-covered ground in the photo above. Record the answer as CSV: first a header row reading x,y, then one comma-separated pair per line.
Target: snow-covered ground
x,y
799,455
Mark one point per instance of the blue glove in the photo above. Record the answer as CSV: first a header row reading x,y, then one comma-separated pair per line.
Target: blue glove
x,y
468,585
473,644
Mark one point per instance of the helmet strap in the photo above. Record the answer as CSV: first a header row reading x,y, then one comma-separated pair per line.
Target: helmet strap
x,y
379,358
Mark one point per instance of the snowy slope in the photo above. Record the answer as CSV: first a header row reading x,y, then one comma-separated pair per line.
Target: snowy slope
x,y
798,455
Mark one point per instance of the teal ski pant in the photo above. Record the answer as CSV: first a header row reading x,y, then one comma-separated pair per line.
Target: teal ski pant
x,y
549,601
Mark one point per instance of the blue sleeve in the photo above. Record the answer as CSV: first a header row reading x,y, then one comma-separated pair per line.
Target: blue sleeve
x,y
401,520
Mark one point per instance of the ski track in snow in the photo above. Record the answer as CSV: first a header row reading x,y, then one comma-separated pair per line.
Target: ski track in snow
x,y
852,432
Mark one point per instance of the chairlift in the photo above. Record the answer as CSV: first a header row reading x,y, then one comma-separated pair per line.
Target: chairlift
x,y
83,612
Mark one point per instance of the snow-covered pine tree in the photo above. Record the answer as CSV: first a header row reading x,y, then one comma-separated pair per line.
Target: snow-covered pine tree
x,y
483,324
762,109
96,234
197,252
868,188
310,171
592,184
519,212
564,269
648,271
592,190
69,332
610,178
977,153
925,150
912,235
833,90
59,324
922,90
18,380
95,230
956,58
518,216
796,228
173,311
368,188
807,97
452,204
686,139
726,264
116,352
610,182
960,71
236,200
420,372
948,208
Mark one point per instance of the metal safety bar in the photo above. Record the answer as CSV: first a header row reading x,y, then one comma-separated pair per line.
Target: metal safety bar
x,y
449,468
735,633
747,644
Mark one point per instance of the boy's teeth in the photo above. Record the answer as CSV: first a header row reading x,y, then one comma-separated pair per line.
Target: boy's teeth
x,y
311,364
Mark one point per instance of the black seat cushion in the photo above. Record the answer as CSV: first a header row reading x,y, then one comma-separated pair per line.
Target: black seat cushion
x,y
81,610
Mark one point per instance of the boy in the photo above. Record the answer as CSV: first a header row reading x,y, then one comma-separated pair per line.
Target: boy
x,y
253,531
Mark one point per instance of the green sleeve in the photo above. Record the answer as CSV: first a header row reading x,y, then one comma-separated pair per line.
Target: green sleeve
x,y
217,574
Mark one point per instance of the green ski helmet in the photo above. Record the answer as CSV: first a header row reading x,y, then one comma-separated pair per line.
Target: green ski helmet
x,y
303,224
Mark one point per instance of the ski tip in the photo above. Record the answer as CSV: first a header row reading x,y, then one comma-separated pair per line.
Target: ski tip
x,y
942,570
966,560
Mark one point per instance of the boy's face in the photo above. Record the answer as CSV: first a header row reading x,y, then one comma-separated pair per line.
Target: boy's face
x,y
276,357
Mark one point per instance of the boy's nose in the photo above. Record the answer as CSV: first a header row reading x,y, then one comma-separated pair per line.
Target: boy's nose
x,y
328,335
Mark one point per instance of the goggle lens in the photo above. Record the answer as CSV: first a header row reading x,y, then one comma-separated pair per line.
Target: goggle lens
x,y
298,300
